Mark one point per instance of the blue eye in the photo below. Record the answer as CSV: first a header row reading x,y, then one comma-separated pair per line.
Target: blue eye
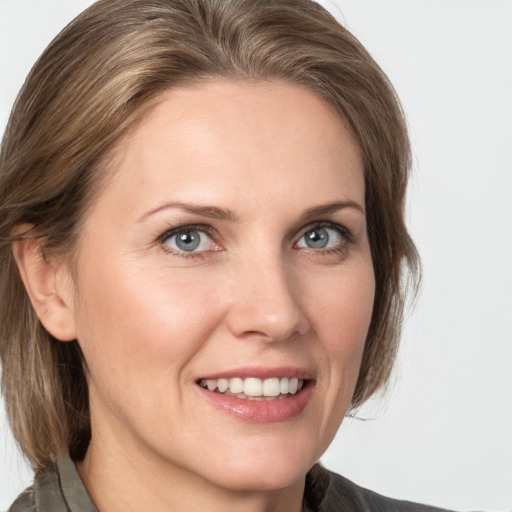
x,y
321,237
188,240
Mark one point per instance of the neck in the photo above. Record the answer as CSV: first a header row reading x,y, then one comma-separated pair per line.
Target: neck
x,y
119,478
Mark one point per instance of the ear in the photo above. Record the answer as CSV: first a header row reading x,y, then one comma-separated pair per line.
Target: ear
x,y
49,287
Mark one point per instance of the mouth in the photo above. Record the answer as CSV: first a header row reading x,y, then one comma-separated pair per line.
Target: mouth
x,y
269,398
253,388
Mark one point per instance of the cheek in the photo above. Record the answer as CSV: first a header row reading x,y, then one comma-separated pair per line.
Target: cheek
x,y
134,322
341,309
341,316
341,319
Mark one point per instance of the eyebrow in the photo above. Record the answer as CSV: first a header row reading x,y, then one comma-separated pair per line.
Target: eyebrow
x,y
325,209
214,212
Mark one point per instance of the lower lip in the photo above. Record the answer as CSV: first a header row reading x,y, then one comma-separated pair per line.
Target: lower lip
x,y
261,411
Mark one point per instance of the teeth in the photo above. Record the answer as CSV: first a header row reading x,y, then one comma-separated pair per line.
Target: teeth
x,y
222,385
236,386
252,387
271,387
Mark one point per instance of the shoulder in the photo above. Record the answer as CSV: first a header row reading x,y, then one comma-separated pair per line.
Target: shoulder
x,y
328,492
25,502
43,496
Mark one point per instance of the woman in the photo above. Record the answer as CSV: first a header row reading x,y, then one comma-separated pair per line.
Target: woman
x,y
203,249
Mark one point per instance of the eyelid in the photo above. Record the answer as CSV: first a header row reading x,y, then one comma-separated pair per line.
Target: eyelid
x,y
205,228
343,230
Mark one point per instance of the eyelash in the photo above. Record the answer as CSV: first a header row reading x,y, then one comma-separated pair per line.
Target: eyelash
x,y
346,235
202,228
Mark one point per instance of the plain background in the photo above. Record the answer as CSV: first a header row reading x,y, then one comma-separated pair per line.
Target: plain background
x,y
443,432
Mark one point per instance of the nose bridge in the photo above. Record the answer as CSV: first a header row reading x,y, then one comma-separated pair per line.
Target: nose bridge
x,y
265,301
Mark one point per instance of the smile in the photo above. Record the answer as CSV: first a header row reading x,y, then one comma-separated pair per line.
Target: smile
x,y
268,399
253,388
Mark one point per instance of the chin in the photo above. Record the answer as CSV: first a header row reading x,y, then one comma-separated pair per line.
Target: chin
x,y
256,480
268,471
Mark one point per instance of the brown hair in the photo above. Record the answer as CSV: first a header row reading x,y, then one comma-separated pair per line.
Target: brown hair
x,y
93,81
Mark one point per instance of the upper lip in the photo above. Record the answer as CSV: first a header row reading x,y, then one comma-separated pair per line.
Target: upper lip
x,y
260,372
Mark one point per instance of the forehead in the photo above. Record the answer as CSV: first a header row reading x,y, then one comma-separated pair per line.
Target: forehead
x,y
199,138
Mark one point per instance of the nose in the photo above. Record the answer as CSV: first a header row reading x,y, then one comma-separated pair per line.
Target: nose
x,y
265,302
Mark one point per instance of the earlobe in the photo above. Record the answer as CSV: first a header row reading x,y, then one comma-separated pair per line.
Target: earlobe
x,y
42,277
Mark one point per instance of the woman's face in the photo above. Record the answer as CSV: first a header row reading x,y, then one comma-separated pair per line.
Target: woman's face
x,y
225,286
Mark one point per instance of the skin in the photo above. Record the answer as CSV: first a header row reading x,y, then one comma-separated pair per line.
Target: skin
x,y
152,320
